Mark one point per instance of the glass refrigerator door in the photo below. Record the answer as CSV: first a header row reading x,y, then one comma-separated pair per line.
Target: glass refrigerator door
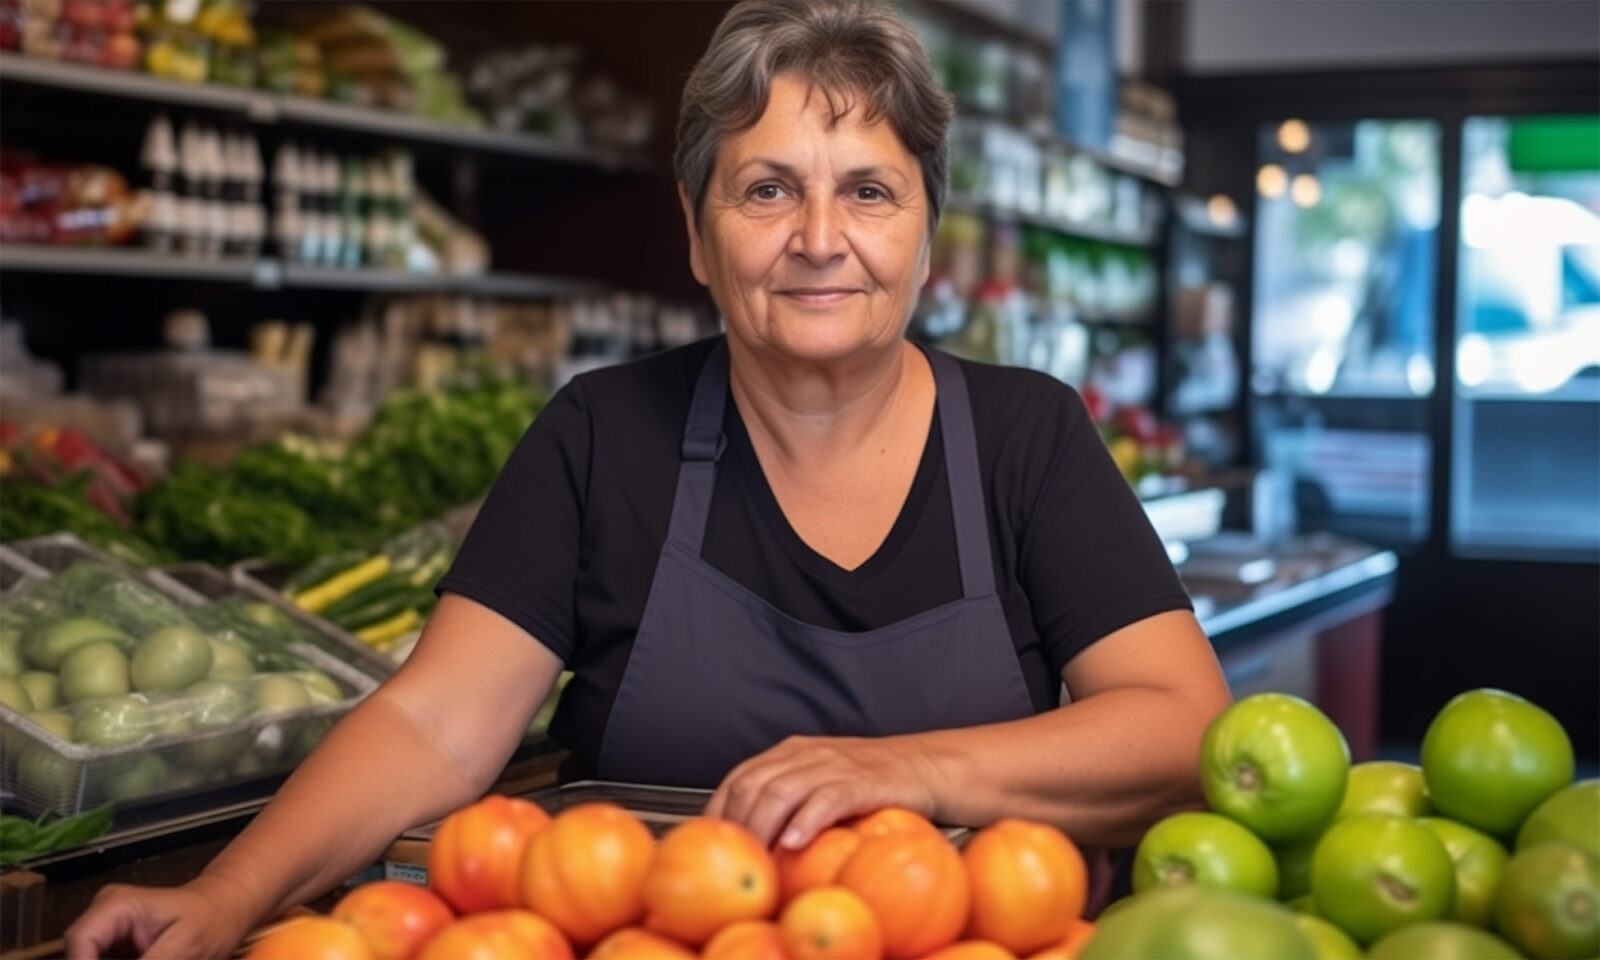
x,y
1526,450
1342,332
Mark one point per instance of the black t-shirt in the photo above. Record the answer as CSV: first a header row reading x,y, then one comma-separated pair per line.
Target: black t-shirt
x,y
566,543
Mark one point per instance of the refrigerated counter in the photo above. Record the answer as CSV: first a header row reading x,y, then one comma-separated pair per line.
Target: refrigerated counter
x,y
1300,615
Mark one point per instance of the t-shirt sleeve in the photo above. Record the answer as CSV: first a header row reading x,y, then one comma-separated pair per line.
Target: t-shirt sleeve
x,y
521,557
1091,562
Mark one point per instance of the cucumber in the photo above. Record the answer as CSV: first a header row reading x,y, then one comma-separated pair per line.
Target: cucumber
x,y
385,586
384,609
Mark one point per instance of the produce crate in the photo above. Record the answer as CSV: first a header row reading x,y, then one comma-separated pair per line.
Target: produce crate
x,y
212,584
16,570
58,551
46,773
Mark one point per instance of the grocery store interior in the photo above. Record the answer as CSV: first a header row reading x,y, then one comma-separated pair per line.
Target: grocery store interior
x,y
283,283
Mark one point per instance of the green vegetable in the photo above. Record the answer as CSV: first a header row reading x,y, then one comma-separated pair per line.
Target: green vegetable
x,y
22,839
390,585
412,598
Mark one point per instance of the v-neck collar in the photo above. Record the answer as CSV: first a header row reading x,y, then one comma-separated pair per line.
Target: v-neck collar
x,y
741,455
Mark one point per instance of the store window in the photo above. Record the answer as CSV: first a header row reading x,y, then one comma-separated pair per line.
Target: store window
x,y
1526,472
1342,331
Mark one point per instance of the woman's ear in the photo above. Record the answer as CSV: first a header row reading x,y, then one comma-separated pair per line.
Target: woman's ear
x,y
697,263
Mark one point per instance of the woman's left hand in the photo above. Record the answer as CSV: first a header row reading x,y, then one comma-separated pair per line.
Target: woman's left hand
x,y
804,785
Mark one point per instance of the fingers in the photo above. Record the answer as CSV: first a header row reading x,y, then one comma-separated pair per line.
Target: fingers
x,y
826,806
108,921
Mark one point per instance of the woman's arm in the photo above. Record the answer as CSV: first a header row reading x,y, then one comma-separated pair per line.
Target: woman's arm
x,y
1124,753
430,739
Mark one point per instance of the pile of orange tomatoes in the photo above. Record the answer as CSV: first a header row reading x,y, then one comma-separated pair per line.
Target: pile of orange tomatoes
x,y
508,881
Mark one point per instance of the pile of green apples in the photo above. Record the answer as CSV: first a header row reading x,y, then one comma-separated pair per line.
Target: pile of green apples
x,y
1487,849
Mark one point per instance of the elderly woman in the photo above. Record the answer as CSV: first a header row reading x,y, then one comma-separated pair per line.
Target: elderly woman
x,y
808,563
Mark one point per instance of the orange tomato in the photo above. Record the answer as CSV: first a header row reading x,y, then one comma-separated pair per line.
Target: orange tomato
x,y
830,923
746,940
475,859
635,943
972,950
816,865
311,938
916,885
882,823
585,872
706,874
394,918
1029,883
498,935
1068,949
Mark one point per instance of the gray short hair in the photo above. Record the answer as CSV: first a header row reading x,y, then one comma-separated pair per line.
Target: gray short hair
x,y
845,48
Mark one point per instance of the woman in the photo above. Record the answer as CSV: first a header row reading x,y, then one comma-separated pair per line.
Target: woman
x,y
808,563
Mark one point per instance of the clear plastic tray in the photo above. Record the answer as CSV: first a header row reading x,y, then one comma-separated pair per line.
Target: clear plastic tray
x,y
46,773
58,551
213,584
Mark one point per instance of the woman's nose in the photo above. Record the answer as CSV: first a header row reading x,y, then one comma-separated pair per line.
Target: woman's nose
x,y
818,236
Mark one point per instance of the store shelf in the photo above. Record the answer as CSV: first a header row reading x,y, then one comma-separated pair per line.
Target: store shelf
x,y
401,126
267,273
265,107
133,85
1085,231
971,113
117,262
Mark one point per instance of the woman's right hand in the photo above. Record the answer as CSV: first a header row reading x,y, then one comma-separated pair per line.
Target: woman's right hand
x,y
199,919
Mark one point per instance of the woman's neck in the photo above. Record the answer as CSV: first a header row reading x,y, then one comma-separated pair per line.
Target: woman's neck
x,y
810,412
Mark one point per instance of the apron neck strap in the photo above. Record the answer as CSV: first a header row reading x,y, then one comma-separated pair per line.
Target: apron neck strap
x,y
967,504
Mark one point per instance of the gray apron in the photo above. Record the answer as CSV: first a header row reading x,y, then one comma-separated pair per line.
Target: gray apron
x,y
718,675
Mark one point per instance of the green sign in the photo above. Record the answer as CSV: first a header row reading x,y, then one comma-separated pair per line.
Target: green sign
x,y
1555,143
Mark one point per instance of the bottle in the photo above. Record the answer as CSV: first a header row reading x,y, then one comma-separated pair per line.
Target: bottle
x,y
252,217
190,199
158,161
375,213
287,221
352,224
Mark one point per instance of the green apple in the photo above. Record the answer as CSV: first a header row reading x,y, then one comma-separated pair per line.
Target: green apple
x,y
1374,873
48,647
1480,860
1441,941
1384,786
1329,942
14,695
1570,816
1491,757
44,687
1549,902
1197,923
93,671
170,659
1207,849
1276,764
1294,867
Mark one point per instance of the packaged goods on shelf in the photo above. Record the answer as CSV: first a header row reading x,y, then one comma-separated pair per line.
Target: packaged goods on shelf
x,y
380,61
56,203
97,32
348,211
541,89
154,693
199,393
201,190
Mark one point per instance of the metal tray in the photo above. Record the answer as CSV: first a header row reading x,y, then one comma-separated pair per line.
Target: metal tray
x,y
45,773
661,808
16,570
210,583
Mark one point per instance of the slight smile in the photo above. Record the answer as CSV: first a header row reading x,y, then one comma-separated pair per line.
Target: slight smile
x,y
817,296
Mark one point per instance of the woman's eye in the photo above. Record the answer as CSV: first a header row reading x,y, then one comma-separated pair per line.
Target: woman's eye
x,y
870,194
766,191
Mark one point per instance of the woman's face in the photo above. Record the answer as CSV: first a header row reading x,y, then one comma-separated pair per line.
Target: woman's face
x,y
814,240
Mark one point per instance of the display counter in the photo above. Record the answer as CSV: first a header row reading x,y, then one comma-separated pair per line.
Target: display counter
x,y
1301,616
